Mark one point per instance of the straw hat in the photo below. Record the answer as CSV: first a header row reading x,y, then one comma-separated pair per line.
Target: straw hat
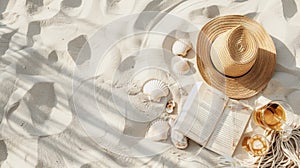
x,y
236,55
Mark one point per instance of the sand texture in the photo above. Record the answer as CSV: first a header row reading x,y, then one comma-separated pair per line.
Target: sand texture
x,y
64,93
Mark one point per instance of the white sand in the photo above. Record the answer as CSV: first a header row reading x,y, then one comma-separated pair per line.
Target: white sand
x,y
40,44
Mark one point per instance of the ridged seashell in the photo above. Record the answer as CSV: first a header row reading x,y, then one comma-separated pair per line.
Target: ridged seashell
x,y
180,66
158,130
155,89
181,47
179,140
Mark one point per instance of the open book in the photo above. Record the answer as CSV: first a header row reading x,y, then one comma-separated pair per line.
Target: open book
x,y
213,120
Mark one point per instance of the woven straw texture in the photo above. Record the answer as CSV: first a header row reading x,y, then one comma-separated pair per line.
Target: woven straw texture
x,y
233,84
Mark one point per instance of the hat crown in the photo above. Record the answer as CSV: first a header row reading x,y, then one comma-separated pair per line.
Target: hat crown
x,y
234,52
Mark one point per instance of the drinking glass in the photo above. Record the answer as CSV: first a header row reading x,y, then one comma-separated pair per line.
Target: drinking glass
x,y
273,116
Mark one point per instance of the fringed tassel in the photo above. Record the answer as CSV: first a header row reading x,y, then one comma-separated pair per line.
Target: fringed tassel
x,y
283,153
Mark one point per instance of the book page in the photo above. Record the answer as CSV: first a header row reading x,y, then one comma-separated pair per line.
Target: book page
x,y
200,113
213,120
229,129
210,110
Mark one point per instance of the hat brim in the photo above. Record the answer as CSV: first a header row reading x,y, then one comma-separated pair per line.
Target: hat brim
x,y
260,74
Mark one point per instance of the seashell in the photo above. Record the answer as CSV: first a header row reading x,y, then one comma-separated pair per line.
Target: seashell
x,y
181,47
155,89
178,139
158,130
180,66
169,108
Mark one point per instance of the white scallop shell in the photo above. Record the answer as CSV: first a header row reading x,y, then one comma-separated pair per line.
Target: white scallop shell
x,y
158,130
180,66
155,89
178,139
181,47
